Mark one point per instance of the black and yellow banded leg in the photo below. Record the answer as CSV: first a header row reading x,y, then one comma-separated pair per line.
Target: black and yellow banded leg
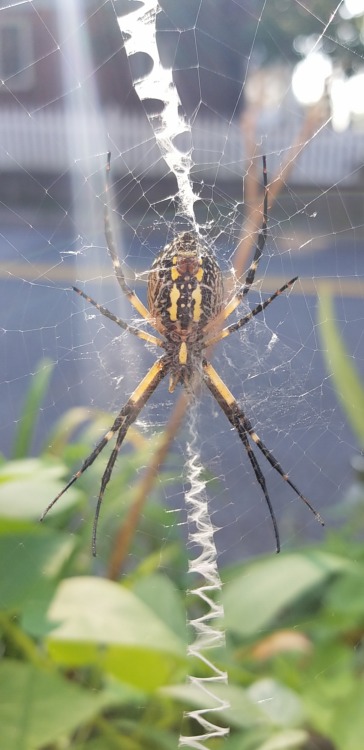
x,y
262,237
274,463
237,418
250,276
227,402
243,321
131,410
121,323
244,289
125,418
132,297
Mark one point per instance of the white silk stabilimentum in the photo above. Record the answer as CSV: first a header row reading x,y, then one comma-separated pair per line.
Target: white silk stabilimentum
x,y
208,633
140,29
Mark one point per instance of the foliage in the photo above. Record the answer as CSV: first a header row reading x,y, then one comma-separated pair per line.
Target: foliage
x,y
346,379
93,664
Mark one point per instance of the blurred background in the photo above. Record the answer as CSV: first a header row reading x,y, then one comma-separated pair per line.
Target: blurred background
x,y
253,77
94,651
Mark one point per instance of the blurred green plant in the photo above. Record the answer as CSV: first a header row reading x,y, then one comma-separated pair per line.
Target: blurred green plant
x,y
345,378
94,664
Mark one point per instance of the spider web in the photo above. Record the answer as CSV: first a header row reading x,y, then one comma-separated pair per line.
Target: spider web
x,y
54,140
70,94
68,97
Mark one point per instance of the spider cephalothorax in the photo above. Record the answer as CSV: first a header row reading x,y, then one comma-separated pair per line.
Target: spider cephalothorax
x,y
187,310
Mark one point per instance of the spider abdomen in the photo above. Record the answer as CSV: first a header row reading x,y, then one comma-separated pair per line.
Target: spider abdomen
x,y
185,288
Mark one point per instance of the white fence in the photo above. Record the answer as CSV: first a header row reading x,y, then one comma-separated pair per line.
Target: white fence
x,y
53,141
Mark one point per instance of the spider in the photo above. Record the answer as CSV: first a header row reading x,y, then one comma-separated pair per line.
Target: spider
x,y
186,308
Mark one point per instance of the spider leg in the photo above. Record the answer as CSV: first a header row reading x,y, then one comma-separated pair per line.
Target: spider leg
x,y
132,297
243,426
274,463
121,323
249,279
260,479
125,418
106,478
250,276
243,321
222,394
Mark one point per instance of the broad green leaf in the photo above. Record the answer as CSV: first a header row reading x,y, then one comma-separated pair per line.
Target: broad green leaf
x,y
100,743
291,739
31,555
282,706
27,486
264,588
346,379
160,594
39,708
263,739
249,739
101,623
31,408
131,735
343,598
347,728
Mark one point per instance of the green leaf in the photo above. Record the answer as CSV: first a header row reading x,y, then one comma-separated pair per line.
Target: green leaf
x,y
259,594
282,706
28,485
101,623
39,708
30,409
347,728
160,594
346,379
250,739
32,555
291,739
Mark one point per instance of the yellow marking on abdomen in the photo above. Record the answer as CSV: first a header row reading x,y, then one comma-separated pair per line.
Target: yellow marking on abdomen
x,y
197,297
219,385
182,357
145,383
174,273
199,274
174,297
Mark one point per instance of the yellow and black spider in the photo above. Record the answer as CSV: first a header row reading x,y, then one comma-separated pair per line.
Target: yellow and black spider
x,y
186,307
